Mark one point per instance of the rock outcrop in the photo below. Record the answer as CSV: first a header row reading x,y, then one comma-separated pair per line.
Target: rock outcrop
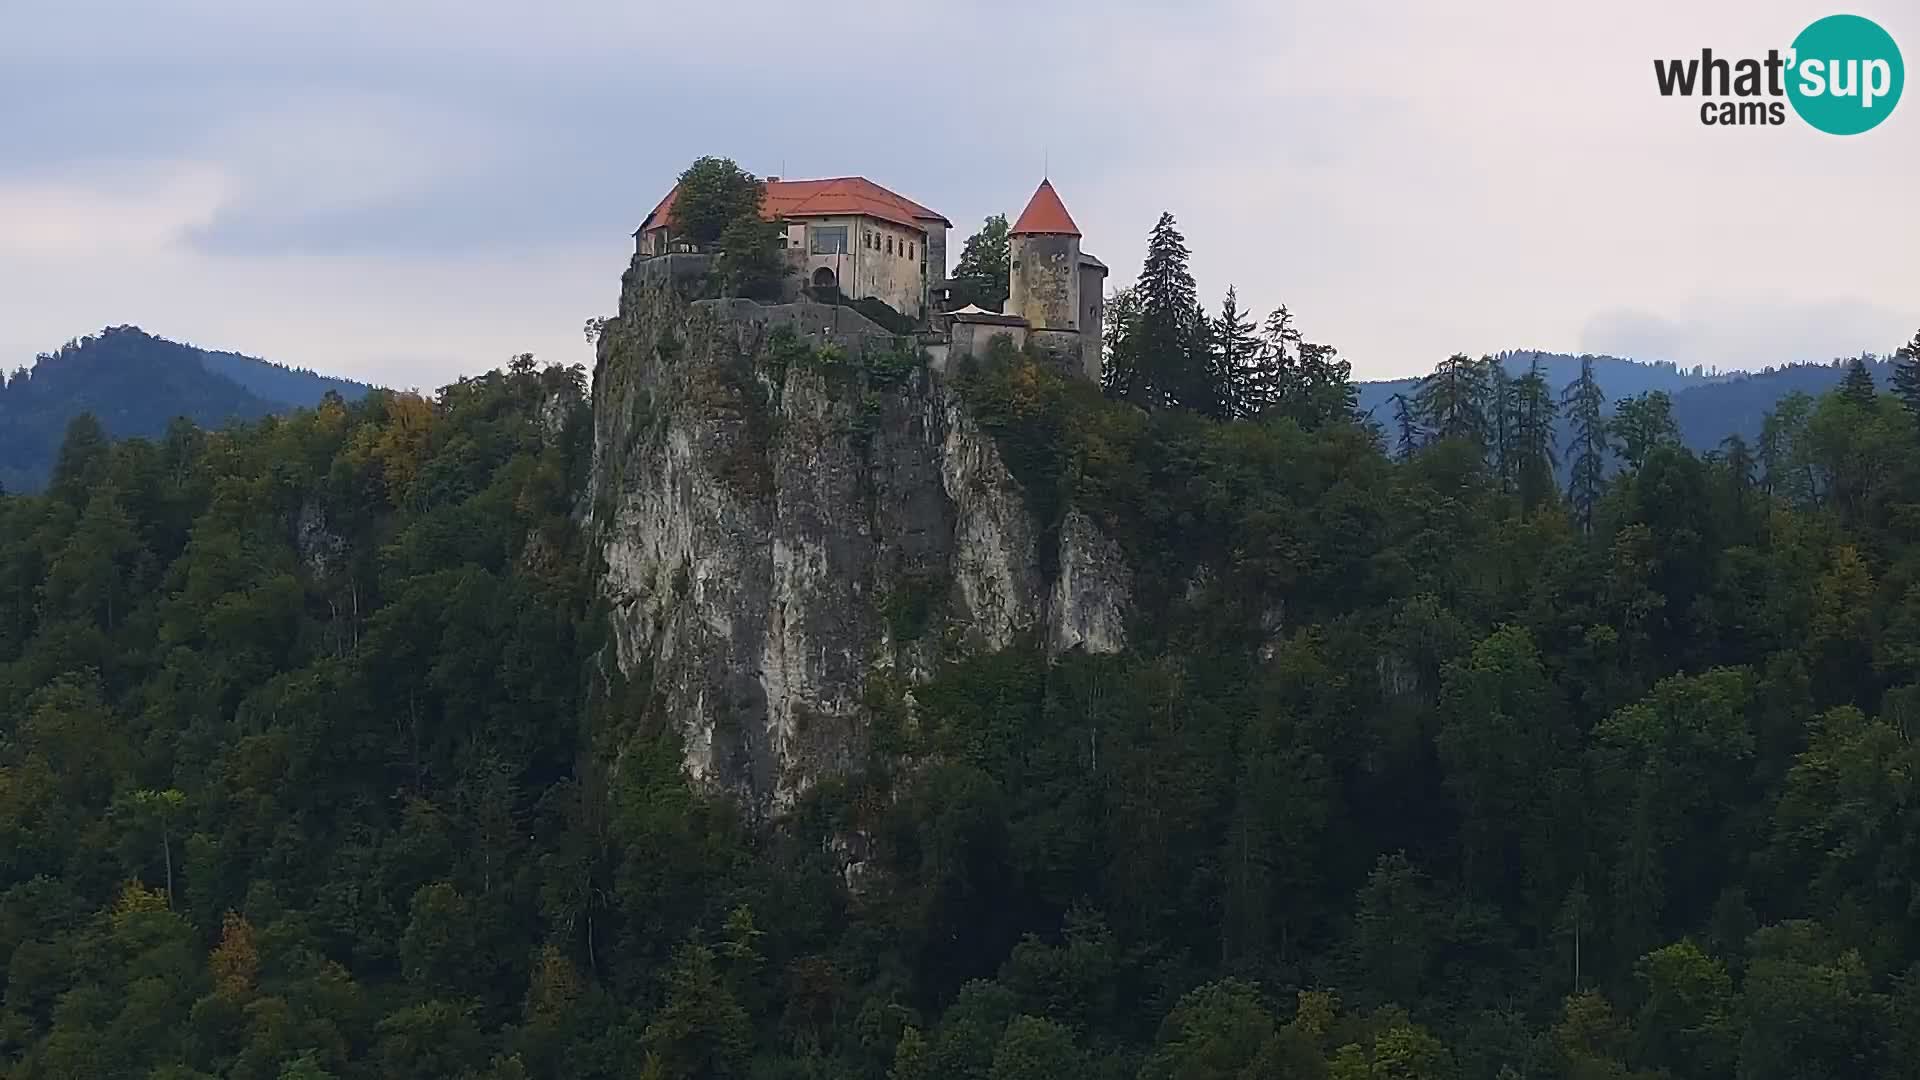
x,y
787,505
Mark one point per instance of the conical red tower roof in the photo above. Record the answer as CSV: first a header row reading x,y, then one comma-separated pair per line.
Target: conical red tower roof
x,y
1045,213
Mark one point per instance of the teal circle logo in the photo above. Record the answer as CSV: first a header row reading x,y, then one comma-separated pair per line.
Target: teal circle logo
x,y
1846,75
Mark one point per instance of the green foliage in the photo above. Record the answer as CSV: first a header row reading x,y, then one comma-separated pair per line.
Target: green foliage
x,y
1216,1031
712,195
981,275
1644,423
1452,401
700,1032
1035,1049
750,262
1393,1049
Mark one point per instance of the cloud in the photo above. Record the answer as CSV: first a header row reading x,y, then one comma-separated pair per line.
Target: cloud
x,y
1749,332
44,221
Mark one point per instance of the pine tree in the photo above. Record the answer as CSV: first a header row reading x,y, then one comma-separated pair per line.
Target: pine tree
x,y
1170,332
1321,390
1451,401
1498,407
1302,380
1532,450
1280,360
1206,369
1246,388
1787,469
1120,365
1906,375
83,461
1858,386
1587,444
1406,427
1736,458
1644,423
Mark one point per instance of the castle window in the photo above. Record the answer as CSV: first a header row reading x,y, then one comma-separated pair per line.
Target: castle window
x,y
829,240
889,245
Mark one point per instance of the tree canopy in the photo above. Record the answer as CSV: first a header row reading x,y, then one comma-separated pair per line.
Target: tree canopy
x,y
982,274
713,193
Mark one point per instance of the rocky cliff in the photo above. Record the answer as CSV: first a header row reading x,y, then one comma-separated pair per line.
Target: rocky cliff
x,y
795,515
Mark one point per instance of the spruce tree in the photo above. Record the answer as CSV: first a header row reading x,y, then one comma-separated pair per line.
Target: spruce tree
x,y
1206,369
1451,402
1587,443
1120,364
1858,386
1407,425
1906,375
1280,360
1644,423
1170,327
1531,447
1787,469
1321,390
1498,407
1242,363
1736,458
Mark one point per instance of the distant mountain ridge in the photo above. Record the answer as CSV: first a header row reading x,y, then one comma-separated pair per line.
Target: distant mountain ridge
x,y
136,384
1708,405
279,383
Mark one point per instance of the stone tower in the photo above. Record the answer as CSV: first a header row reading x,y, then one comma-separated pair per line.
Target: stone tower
x,y
1049,279
1044,248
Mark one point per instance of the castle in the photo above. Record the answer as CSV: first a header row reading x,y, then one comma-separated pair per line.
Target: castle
x,y
851,235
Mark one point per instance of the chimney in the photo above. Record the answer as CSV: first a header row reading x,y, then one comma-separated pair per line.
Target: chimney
x,y
773,179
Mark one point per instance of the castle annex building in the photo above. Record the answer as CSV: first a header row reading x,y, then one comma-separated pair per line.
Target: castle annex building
x,y
847,233
851,235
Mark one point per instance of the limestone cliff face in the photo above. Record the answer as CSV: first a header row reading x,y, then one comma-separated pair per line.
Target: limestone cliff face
x,y
776,534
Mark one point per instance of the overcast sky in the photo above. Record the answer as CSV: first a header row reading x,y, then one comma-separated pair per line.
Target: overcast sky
x,y
404,191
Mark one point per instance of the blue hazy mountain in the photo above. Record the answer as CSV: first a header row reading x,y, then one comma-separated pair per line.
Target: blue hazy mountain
x,y
136,384
279,383
1620,378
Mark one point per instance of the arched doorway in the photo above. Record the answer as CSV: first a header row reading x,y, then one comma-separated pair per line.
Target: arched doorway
x,y
824,278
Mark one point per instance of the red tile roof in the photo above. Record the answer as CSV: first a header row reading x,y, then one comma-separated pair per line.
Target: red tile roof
x,y
1045,213
842,195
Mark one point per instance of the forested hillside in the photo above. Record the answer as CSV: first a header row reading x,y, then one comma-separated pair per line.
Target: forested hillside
x,y
136,384
1414,768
